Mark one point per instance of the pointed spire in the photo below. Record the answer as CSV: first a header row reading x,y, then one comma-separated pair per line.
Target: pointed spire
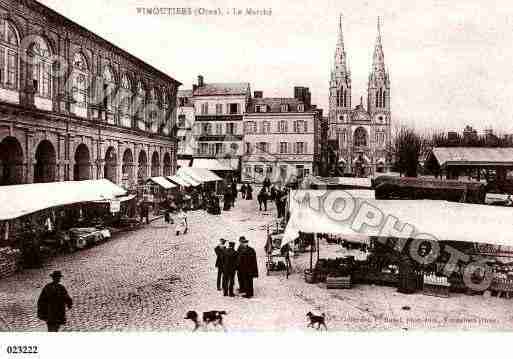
x,y
340,53
378,40
340,41
378,60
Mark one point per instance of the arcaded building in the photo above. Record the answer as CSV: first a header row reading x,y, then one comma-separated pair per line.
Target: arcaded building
x,y
73,106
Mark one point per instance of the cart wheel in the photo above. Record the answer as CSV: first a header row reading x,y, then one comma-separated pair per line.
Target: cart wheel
x,y
80,243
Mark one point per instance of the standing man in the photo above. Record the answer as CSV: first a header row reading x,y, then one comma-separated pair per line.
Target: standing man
x,y
229,267
220,252
247,266
52,303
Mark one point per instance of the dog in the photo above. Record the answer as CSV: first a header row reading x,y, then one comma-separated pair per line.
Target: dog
x,y
214,317
316,319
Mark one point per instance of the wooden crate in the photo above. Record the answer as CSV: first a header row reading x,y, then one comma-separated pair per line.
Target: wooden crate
x,y
338,282
436,290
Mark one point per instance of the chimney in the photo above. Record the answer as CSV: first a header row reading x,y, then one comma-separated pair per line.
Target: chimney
x,y
258,94
200,80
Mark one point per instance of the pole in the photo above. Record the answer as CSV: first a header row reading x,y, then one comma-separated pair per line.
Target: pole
x,y
317,235
311,257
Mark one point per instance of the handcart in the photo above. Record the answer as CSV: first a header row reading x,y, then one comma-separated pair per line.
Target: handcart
x,y
277,257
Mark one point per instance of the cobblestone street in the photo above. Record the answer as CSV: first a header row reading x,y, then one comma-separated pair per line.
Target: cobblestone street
x,y
148,280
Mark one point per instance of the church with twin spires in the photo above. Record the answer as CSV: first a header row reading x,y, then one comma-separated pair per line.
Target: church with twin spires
x,y
359,136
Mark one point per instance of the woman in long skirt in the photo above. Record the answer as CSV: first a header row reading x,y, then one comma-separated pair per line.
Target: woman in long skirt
x,y
181,223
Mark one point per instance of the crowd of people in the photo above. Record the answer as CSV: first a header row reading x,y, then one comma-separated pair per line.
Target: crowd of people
x,y
241,263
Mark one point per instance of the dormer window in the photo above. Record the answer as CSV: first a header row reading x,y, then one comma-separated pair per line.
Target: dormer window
x,y
261,108
284,108
301,108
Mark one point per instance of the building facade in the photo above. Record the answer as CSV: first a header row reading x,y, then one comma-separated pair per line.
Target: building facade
x,y
281,138
219,109
185,121
361,135
73,106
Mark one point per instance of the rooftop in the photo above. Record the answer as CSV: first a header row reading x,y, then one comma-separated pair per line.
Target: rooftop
x,y
222,89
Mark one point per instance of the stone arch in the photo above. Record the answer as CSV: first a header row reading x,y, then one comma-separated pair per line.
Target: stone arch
x,y
167,164
155,164
82,167
127,167
111,164
142,172
45,165
11,161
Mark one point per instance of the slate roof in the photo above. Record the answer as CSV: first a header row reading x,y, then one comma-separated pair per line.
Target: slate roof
x,y
274,104
473,156
223,89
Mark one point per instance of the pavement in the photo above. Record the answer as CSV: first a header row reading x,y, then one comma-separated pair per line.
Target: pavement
x,y
148,279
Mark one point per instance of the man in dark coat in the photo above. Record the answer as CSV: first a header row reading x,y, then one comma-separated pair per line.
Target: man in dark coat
x,y
220,251
249,192
247,267
229,267
52,303
243,191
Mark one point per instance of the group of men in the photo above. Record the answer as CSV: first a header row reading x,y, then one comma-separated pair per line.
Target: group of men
x,y
242,262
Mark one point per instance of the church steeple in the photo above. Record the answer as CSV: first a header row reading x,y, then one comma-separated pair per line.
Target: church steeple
x,y
341,69
379,83
378,59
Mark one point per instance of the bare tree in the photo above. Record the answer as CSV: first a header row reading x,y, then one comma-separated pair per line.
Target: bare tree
x,y
407,148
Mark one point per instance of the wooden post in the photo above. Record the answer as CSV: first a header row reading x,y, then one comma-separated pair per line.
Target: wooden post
x,y
311,257
317,235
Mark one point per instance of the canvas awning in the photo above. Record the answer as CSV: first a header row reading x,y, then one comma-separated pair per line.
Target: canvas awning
x,y
192,182
162,182
341,182
198,174
183,163
19,200
443,221
178,180
218,164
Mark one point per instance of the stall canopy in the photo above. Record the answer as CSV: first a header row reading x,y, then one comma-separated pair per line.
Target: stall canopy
x,y
162,182
337,182
19,200
218,164
183,163
198,174
178,180
441,220
188,179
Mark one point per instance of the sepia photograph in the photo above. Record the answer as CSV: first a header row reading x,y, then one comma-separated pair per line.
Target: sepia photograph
x,y
304,168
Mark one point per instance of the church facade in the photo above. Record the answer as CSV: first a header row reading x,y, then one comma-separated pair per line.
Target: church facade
x,y
359,136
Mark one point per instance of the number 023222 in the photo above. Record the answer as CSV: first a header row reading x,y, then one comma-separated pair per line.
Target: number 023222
x,y
22,349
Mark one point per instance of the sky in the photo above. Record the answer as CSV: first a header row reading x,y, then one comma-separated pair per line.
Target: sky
x,y
450,61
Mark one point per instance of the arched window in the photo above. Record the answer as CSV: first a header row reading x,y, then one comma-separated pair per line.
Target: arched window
x,y
41,68
126,98
360,137
140,102
383,103
109,87
9,46
80,80
153,110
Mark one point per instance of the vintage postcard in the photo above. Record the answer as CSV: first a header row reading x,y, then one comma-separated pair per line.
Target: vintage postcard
x,y
254,167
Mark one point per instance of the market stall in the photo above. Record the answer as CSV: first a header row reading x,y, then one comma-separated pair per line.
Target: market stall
x,y
39,216
160,188
458,225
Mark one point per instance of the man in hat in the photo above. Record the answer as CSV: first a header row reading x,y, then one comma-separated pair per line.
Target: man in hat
x,y
229,267
220,251
52,303
247,267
